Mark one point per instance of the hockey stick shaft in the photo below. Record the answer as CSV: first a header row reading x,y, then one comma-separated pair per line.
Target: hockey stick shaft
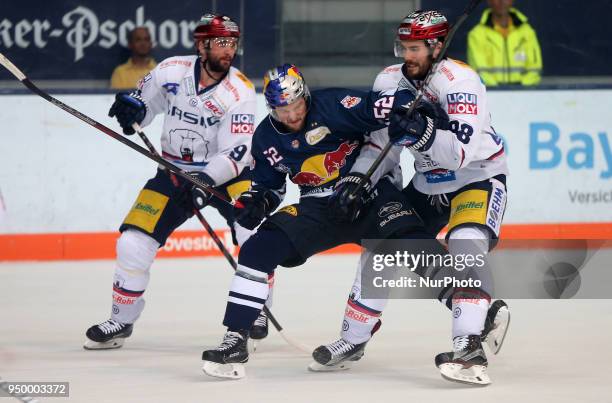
x,y
383,154
228,256
168,165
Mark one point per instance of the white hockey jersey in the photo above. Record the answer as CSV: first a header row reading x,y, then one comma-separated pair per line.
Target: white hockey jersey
x,y
470,151
207,130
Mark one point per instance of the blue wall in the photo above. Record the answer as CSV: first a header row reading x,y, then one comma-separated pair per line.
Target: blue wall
x,y
80,39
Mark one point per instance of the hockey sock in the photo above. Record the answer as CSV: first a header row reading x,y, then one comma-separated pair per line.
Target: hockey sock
x,y
360,314
248,293
469,312
359,321
250,289
135,254
470,305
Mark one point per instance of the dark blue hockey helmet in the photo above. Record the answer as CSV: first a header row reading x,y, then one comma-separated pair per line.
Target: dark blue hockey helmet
x,y
283,85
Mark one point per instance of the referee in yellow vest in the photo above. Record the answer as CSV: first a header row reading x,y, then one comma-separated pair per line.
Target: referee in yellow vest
x,y
503,47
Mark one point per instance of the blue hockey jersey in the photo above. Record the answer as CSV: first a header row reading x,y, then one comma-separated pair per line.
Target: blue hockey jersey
x,y
314,158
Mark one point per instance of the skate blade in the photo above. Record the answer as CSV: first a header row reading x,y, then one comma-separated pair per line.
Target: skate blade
x,y
474,375
341,366
226,371
495,338
108,345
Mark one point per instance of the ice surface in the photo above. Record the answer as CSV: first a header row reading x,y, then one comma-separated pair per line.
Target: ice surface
x,y
556,351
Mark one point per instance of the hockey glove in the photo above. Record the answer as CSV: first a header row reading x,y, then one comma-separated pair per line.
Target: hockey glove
x,y
200,197
417,130
128,108
253,206
344,205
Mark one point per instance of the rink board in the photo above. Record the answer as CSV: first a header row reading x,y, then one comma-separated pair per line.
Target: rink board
x,y
66,187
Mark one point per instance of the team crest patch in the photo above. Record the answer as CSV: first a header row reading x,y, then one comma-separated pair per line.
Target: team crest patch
x,y
349,101
291,210
315,135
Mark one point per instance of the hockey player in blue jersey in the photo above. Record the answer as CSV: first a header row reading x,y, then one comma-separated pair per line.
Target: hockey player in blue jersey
x,y
314,140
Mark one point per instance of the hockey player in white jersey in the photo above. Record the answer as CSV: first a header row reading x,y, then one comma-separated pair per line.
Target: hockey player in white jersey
x,y
460,181
209,113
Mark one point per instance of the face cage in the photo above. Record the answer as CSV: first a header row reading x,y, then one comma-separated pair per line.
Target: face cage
x,y
225,41
399,50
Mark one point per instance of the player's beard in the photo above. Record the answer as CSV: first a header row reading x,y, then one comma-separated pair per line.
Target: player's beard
x,y
422,70
220,65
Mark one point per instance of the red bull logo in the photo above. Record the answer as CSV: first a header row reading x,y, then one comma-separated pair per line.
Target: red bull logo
x,y
323,168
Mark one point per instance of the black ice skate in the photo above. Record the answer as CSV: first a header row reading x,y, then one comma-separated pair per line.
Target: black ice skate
x,y
259,331
336,356
107,335
496,325
467,363
339,355
260,327
226,361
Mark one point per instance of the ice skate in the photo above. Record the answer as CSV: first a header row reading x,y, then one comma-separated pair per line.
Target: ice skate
x,y
496,326
107,335
226,361
339,355
259,331
336,356
467,363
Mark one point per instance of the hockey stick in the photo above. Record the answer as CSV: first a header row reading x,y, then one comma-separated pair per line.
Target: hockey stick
x,y
468,10
171,167
226,253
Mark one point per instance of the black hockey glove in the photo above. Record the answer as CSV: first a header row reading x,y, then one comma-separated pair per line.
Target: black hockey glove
x,y
344,205
417,130
200,197
128,108
253,206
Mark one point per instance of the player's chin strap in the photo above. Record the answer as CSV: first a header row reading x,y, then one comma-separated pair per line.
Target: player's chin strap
x,y
468,9
204,64
122,139
226,253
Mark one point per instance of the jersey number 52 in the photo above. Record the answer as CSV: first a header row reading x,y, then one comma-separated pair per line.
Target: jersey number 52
x,y
272,156
382,107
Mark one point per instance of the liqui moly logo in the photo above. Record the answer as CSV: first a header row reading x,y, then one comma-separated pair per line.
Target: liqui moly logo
x,y
82,28
462,103
243,123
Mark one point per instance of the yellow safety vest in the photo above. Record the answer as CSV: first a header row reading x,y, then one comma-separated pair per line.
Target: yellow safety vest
x,y
126,75
515,59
